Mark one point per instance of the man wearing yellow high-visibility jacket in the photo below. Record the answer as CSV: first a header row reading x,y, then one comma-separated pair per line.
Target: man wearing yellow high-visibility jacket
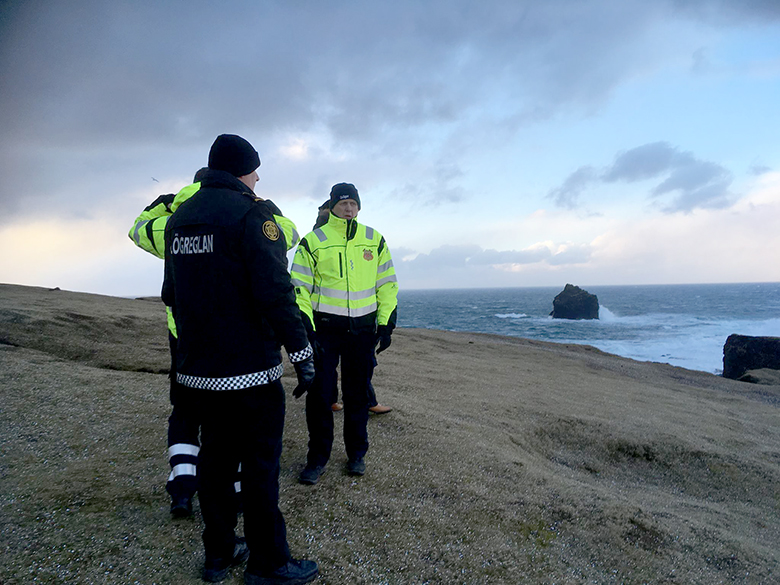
x,y
347,292
148,233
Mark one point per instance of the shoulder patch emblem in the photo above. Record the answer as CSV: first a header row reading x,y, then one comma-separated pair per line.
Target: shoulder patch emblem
x,y
271,230
367,255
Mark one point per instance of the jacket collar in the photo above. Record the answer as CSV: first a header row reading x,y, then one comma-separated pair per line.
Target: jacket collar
x,y
223,180
344,227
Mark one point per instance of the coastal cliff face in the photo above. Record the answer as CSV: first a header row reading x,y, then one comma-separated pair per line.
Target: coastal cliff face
x,y
505,460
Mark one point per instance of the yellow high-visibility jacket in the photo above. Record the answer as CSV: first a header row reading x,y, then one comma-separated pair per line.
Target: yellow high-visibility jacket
x,y
344,277
148,231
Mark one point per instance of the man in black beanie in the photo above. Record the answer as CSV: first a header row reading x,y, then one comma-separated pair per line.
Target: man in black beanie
x,y
347,290
227,283
234,155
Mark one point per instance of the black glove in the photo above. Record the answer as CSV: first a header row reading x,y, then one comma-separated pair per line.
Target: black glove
x,y
383,333
305,372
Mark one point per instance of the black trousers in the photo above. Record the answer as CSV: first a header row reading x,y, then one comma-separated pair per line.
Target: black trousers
x,y
372,400
356,353
184,439
243,426
183,433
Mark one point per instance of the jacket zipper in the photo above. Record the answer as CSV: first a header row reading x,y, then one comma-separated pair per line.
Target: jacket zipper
x,y
346,259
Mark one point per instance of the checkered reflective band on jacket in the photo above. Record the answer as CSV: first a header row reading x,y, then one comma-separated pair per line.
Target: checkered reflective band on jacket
x,y
304,354
233,383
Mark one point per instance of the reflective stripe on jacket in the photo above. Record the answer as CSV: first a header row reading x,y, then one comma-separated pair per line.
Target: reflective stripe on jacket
x,y
343,274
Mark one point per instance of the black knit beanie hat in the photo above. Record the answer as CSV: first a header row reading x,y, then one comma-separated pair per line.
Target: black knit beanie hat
x,y
341,191
233,154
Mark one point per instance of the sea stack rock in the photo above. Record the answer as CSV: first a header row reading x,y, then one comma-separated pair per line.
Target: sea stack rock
x,y
575,303
743,353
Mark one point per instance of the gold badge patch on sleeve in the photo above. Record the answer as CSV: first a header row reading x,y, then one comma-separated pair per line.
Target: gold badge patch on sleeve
x,y
271,230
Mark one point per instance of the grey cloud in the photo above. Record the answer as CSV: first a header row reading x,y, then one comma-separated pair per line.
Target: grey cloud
x,y
567,195
444,257
472,257
452,255
160,70
642,162
400,252
759,169
571,255
693,175
155,81
708,196
698,183
119,74
510,256
724,12
439,187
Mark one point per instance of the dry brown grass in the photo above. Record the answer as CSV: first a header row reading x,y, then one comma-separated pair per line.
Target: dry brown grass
x,y
505,461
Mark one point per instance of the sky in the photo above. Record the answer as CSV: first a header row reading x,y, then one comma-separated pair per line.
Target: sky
x,y
500,143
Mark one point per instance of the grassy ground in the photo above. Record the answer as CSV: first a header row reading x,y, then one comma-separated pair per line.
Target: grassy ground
x,y
504,461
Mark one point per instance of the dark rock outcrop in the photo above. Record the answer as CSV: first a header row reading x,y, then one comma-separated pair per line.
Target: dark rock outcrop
x,y
575,303
764,376
742,353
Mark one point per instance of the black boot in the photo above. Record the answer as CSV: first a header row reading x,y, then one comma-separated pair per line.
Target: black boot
x,y
215,570
295,572
356,467
181,506
311,474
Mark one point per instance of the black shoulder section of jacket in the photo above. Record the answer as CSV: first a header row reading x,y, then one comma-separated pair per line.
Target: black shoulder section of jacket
x,y
305,245
265,254
269,207
223,180
164,199
272,206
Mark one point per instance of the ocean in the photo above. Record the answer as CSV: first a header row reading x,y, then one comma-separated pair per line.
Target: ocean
x,y
682,325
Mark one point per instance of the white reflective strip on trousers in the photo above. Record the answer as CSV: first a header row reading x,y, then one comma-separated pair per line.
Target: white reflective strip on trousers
x,y
183,469
183,449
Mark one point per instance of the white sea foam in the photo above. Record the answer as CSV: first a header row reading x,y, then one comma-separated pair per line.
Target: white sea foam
x,y
605,314
683,325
